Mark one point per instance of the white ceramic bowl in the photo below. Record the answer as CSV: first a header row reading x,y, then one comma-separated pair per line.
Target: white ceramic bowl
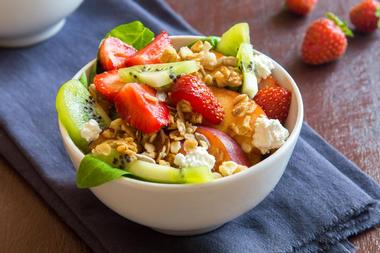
x,y
198,208
26,22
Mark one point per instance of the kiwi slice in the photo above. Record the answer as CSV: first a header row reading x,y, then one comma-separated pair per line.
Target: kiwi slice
x,y
246,65
75,107
149,171
158,75
166,174
230,41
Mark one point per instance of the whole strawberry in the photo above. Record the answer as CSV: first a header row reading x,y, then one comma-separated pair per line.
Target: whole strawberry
x,y
301,7
364,17
325,40
275,101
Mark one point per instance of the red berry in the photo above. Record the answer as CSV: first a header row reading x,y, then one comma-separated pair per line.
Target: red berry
x,y
363,16
325,40
113,53
275,101
138,106
200,97
108,84
152,52
301,7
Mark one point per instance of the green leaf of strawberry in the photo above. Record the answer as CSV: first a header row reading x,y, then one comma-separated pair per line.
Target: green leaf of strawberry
x,y
341,24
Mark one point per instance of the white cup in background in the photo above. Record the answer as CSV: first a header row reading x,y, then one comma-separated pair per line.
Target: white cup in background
x,y
27,22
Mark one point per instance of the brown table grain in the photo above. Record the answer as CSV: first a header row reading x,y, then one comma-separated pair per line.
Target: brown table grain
x,y
342,102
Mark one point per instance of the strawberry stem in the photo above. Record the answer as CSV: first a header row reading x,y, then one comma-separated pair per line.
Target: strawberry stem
x,y
378,15
341,24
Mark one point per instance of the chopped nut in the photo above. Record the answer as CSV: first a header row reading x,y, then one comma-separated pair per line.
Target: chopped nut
x,y
170,158
216,175
201,138
116,124
149,147
175,147
185,53
206,46
197,46
219,78
204,144
163,162
189,136
184,106
151,155
240,168
228,168
108,133
175,135
209,60
169,55
235,79
225,71
181,126
227,61
208,79
239,110
196,118
102,149
241,98
190,129
246,147
145,158
247,122
227,76
252,107
152,137
190,144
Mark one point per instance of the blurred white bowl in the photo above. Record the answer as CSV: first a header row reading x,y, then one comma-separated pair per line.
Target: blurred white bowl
x,y
26,22
198,208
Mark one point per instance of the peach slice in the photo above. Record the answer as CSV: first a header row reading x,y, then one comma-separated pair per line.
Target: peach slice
x,y
226,99
223,147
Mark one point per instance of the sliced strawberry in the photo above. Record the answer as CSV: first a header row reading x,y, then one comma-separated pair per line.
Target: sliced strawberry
x,y
108,84
113,53
275,101
137,104
200,97
152,52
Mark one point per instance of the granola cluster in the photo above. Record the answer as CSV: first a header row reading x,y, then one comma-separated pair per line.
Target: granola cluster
x,y
216,69
160,147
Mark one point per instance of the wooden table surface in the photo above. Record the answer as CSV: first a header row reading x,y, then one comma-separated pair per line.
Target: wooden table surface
x,y
342,102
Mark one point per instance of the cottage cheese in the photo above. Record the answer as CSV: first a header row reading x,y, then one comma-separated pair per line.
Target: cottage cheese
x,y
263,66
195,158
90,130
269,134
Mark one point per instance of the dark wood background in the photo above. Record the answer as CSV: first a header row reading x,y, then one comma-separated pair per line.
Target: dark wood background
x,y
341,103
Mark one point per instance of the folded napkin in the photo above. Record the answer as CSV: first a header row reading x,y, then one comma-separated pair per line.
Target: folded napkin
x,y
320,201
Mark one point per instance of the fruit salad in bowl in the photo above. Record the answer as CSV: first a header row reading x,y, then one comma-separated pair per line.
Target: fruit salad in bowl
x,y
174,124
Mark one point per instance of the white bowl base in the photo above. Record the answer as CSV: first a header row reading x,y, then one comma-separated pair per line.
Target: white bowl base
x,y
187,232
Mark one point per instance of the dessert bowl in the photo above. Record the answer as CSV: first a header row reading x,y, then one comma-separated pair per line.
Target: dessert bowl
x,y
189,209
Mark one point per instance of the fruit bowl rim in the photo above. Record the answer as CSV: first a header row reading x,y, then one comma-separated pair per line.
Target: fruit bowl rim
x,y
253,169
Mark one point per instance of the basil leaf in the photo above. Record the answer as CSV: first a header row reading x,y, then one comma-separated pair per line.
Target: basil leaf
x,y
213,40
83,79
93,172
134,34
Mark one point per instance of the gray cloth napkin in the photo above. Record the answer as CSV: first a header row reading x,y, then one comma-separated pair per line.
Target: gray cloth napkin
x,y
320,201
